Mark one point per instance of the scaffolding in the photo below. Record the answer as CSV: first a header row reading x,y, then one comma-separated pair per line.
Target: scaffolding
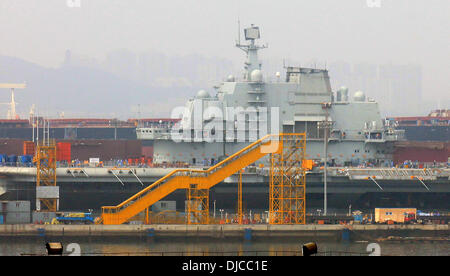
x,y
288,181
287,194
47,193
197,205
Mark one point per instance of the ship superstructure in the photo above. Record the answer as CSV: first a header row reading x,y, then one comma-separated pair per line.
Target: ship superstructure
x,y
246,109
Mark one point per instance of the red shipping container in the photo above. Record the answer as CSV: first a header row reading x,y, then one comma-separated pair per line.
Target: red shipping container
x,y
63,151
28,148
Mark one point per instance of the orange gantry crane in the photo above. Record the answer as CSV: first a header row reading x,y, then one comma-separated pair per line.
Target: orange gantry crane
x,y
198,182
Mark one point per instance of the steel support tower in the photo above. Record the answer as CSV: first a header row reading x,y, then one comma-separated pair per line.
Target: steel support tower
x,y
288,181
197,205
47,193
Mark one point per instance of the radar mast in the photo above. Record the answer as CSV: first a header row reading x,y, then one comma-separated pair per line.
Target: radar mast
x,y
251,34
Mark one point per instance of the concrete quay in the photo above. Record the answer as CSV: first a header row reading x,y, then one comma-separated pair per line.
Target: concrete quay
x,y
312,231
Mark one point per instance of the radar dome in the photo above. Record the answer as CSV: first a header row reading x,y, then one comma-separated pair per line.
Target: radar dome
x,y
202,94
230,78
359,96
256,76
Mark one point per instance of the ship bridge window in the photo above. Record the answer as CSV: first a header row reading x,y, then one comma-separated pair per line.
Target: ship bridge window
x,y
375,135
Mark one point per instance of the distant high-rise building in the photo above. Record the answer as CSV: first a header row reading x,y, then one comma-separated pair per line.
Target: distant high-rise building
x,y
67,57
398,88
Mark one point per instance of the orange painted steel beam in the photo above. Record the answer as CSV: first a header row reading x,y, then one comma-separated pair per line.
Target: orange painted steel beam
x,y
183,178
240,198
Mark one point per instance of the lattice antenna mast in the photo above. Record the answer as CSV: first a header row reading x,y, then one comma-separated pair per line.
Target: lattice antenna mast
x,y
251,49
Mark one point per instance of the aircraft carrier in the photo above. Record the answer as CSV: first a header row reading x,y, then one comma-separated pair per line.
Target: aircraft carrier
x,y
245,109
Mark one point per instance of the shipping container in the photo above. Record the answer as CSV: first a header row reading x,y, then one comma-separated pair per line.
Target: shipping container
x,y
63,151
17,217
15,206
1,219
12,158
42,217
29,158
29,148
397,215
161,206
11,146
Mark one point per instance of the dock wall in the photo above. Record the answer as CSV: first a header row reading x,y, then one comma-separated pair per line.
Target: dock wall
x,y
312,231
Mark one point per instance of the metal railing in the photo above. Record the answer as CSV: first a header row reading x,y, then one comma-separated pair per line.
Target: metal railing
x,y
395,172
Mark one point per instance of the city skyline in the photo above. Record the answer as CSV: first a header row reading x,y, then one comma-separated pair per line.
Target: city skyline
x,y
108,34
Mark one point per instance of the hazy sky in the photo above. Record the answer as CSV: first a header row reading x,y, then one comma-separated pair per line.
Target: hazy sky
x,y
399,31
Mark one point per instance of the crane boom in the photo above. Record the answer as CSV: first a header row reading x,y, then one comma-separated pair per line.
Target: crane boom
x,y
13,85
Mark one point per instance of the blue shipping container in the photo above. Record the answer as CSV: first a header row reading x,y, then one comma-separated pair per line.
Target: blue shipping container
x,y
12,158
1,219
358,218
30,158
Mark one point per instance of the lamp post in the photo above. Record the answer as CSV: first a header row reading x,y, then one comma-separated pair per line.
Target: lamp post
x,y
325,125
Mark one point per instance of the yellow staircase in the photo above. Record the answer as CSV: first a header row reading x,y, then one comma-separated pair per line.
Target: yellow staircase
x,y
183,178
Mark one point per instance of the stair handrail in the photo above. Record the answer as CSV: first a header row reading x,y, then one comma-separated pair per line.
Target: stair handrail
x,y
156,184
